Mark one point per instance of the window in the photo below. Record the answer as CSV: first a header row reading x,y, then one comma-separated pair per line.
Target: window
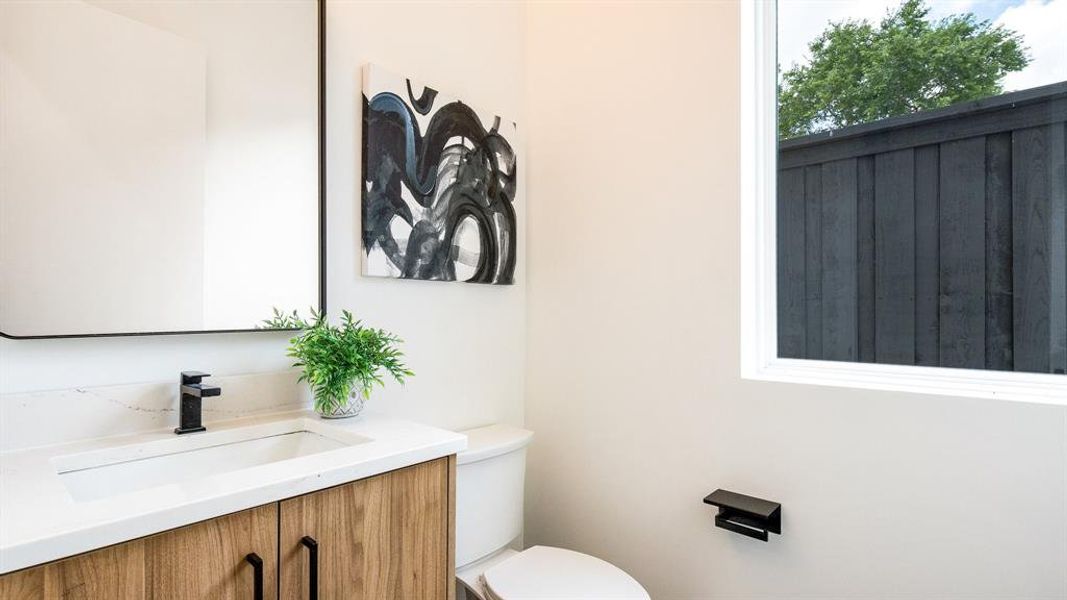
x,y
904,195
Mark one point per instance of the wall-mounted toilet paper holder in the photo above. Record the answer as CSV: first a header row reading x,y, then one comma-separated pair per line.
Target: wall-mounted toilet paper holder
x,y
746,515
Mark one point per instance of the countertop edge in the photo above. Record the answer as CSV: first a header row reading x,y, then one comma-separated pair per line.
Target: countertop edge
x,y
51,548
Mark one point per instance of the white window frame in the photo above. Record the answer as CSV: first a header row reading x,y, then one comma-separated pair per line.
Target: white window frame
x,y
759,340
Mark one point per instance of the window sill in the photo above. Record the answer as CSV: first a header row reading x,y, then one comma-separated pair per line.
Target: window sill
x,y
996,385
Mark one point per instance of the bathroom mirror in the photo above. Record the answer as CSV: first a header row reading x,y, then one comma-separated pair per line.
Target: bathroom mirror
x,y
160,165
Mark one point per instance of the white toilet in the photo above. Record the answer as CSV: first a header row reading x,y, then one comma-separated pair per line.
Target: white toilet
x,y
489,494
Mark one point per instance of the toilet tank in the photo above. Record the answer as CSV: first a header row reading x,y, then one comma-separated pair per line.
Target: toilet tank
x,y
490,475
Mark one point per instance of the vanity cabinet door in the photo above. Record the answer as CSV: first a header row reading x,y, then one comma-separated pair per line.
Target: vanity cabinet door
x,y
203,560
115,572
386,537
207,559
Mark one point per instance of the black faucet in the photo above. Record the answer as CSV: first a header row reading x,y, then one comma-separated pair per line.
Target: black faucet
x,y
192,391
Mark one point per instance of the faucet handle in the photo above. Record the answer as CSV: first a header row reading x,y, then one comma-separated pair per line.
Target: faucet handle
x,y
190,377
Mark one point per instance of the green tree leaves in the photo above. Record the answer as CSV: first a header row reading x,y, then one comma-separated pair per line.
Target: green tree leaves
x,y
861,72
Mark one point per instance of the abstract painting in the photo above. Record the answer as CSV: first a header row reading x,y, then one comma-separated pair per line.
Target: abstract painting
x,y
439,182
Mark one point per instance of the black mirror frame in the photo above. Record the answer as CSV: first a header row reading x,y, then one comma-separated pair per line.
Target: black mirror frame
x,y
321,18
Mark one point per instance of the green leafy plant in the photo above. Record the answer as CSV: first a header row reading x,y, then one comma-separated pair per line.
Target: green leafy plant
x,y
340,359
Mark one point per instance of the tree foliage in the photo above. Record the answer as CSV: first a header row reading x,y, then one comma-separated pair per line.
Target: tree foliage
x,y
860,72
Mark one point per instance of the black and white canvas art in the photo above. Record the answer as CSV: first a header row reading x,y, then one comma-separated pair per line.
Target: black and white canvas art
x,y
439,185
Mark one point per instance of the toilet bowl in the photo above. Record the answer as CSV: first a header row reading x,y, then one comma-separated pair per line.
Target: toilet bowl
x,y
490,477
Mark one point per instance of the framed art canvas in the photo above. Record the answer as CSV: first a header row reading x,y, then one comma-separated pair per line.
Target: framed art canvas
x,y
439,183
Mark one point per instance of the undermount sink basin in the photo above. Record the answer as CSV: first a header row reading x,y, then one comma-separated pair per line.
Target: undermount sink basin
x,y
113,471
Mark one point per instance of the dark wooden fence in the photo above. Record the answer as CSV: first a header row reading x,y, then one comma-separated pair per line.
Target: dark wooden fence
x,y
930,239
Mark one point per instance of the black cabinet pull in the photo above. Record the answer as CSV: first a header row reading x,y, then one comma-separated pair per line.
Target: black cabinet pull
x,y
313,568
257,575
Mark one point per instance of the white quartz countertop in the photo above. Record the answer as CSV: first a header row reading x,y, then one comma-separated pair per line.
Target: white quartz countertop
x,y
40,520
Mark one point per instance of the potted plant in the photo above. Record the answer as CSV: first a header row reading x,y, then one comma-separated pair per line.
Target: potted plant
x,y
342,363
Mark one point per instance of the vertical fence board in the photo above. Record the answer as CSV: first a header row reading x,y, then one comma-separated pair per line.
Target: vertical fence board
x,y
790,222
894,256
998,252
935,240
1057,161
813,260
865,258
839,260
962,233
1030,260
927,256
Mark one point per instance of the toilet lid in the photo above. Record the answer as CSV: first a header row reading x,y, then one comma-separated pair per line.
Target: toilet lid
x,y
545,573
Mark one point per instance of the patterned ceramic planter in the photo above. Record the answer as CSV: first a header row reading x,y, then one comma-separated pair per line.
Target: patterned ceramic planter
x,y
353,407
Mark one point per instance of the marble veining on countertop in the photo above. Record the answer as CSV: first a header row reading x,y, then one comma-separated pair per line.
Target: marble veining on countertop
x,y
102,411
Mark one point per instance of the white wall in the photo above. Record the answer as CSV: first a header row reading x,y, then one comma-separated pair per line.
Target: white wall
x,y
465,342
633,387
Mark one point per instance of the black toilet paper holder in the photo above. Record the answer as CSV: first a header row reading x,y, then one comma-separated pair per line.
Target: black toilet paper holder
x,y
746,515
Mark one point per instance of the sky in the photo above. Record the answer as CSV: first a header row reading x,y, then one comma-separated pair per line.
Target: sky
x,y
1040,22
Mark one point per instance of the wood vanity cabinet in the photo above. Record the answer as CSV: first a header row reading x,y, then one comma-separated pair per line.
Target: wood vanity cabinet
x,y
383,537
386,537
